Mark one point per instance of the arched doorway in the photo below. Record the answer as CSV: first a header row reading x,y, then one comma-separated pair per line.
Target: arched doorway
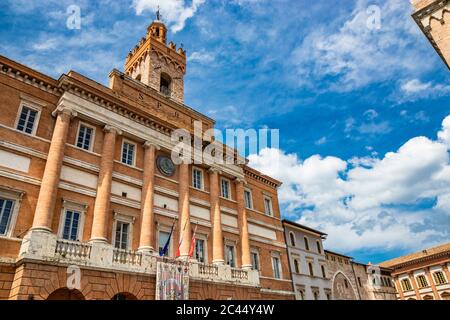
x,y
342,288
445,296
428,297
65,294
124,296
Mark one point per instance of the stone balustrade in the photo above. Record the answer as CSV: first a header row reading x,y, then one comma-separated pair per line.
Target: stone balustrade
x,y
72,250
127,257
43,246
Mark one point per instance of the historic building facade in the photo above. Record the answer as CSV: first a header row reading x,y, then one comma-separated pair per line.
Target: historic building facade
x,y
351,280
307,262
423,275
433,18
88,187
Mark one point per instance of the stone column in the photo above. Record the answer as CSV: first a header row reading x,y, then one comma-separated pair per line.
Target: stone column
x,y
399,288
243,225
412,278
432,285
146,243
183,210
447,272
49,187
101,208
216,217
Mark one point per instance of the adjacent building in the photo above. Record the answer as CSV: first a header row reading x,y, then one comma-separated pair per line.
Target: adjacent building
x,y
422,275
319,274
307,262
351,280
433,18
88,187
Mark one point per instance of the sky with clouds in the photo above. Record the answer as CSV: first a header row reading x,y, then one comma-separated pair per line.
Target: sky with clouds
x,y
362,107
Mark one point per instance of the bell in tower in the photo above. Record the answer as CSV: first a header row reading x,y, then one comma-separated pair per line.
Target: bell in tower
x,y
158,65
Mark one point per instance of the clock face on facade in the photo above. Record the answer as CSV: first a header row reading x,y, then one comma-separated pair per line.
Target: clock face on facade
x,y
165,166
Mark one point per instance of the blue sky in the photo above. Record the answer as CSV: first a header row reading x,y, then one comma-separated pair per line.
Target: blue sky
x,y
364,150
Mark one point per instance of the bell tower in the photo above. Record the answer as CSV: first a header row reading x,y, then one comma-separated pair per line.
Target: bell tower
x,y
158,65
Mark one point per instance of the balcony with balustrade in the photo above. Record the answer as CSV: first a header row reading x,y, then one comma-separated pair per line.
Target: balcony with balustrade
x,y
47,247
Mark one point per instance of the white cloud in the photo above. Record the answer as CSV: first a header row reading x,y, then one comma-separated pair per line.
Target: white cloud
x,y
175,12
355,56
414,86
321,141
415,89
201,57
370,202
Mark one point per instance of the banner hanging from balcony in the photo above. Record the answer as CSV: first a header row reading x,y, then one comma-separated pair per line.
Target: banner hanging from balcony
x,y
172,281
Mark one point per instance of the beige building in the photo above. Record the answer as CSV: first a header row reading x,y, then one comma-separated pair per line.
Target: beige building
x,y
88,189
422,275
433,18
351,280
307,262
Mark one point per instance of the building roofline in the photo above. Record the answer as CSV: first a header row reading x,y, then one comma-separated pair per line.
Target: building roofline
x,y
295,224
338,254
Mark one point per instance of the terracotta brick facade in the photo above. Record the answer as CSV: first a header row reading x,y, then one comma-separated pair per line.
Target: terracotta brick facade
x,y
140,114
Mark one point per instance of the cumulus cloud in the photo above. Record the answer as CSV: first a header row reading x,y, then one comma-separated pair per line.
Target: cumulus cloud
x,y
175,12
372,202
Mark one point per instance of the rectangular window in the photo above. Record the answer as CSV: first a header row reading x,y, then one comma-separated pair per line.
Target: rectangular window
x,y
255,261
276,267
200,250
122,235
225,188
230,256
439,278
128,150
406,285
422,281
71,225
268,206
163,238
27,120
248,199
85,137
6,210
197,179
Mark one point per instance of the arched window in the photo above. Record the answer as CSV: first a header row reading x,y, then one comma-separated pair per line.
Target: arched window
x,y
319,248
296,266
324,274
165,84
292,237
311,269
138,77
346,283
316,295
306,244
